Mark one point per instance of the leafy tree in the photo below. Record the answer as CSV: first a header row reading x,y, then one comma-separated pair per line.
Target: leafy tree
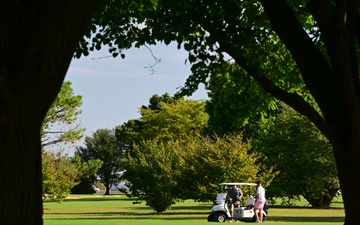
x,y
38,40
164,118
153,169
87,175
179,120
62,114
128,133
286,140
102,145
301,52
211,161
162,173
59,175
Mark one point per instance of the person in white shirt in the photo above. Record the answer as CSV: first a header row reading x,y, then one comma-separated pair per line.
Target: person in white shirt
x,y
259,202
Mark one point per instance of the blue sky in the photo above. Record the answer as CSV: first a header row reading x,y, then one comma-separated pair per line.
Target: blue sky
x,y
113,89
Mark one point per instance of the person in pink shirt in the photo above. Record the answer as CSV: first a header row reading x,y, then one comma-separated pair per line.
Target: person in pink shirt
x,y
259,202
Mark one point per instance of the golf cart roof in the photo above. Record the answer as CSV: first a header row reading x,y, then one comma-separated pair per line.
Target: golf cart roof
x,y
237,184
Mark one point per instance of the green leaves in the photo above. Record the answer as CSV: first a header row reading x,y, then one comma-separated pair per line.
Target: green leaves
x,y
171,160
235,100
103,146
153,172
289,137
162,173
167,118
59,176
212,161
58,125
209,31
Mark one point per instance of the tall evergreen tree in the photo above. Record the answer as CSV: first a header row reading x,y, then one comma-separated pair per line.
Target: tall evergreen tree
x,y
60,124
103,146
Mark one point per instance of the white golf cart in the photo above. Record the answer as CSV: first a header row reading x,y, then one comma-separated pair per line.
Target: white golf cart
x,y
220,211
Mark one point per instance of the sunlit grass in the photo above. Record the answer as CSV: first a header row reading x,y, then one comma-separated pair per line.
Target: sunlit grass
x,y
118,209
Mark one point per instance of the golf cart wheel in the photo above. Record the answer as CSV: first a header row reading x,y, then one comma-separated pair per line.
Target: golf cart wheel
x,y
220,217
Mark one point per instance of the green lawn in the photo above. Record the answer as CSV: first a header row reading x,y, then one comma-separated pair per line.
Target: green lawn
x,y
118,209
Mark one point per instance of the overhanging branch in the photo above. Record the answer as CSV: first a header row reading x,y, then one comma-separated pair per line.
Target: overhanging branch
x,y
292,99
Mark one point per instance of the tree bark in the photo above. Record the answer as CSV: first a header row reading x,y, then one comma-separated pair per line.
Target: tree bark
x,y
347,160
37,43
107,192
332,81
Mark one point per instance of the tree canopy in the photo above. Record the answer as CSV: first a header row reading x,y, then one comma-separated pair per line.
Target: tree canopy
x,y
182,119
235,100
165,118
302,156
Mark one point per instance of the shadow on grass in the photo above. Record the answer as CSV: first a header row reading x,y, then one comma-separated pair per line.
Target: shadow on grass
x,y
333,219
127,216
98,199
152,214
300,207
132,218
191,208
179,216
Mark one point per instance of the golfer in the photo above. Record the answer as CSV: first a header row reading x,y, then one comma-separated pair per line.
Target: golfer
x,y
235,195
259,202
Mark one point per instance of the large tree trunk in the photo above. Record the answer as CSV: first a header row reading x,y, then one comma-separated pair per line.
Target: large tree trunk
x,y
347,156
37,42
332,76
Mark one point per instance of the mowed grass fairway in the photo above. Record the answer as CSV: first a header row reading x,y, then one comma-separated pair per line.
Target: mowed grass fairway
x,y
120,210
